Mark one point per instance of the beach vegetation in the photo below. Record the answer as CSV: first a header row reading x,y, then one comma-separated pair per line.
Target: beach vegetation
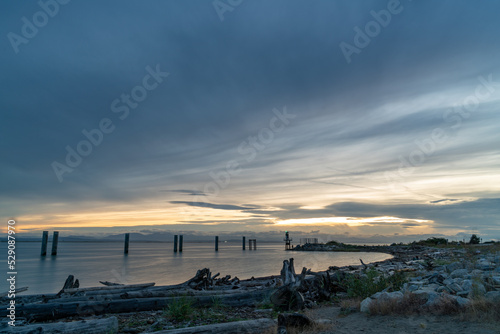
x,y
371,282
180,309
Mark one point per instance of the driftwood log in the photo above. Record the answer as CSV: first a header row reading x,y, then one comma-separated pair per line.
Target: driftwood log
x,y
96,326
107,283
18,290
70,283
236,327
58,309
304,289
203,289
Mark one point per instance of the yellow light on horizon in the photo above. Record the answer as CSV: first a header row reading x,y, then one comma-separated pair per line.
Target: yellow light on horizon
x,y
351,221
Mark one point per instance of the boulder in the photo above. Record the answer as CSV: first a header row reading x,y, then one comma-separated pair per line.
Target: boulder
x,y
454,266
476,273
454,288
466,284
427,295
485,265
493,296
462,302
459,273
365,305
495,280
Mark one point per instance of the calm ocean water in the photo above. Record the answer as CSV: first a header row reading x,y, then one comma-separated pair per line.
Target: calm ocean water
x,y
156,262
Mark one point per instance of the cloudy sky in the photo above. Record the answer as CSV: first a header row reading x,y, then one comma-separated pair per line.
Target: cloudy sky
x,y
349,118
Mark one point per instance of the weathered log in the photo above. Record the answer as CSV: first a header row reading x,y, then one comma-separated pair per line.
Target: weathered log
x,y
18,290
108,296
105,288
107,283
96,326
287,298
288,273
236,327
70,283
57,310
170,293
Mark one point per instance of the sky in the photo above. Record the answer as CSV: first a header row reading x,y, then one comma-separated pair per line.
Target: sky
x,y
365,119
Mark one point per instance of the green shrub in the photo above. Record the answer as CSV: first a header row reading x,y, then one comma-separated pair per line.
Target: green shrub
x,y
373,282
180,309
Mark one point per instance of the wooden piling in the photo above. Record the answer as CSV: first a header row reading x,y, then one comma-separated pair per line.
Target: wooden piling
x,y
55,240
45,238
216,243
252,243
127,238
181,237
176,237
243,244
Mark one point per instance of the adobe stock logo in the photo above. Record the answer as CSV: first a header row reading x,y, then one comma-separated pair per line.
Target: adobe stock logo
x,y
30,28
222,6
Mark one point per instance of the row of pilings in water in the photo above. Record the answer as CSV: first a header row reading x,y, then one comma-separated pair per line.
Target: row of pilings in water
x,y
178,243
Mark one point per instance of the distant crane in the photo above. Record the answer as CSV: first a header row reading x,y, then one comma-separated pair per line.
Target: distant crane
x,y
288,241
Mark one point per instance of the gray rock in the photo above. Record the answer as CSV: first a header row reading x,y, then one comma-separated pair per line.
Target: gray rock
x,y
476,273
448,281
436,278
485,265
454,287
462,302
413,287
426,295
495,280
477,290
393,296
381,296
365,305
467,285
493,296
459,273
433,299
454,266
441,289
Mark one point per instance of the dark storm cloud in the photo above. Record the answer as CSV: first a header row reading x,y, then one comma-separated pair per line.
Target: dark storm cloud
x,y
212,206
225,78
185,191
478,214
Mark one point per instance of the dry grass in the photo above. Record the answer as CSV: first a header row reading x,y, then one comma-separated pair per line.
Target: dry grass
x,y
409,304
314,329
479,309
350,305
444,306
270,331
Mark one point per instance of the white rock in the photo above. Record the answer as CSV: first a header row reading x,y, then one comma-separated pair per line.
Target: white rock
x,y
365,305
